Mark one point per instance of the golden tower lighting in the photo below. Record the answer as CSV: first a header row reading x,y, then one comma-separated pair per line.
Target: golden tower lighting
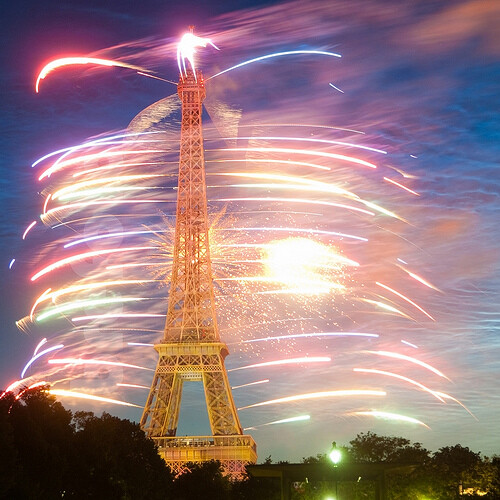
x,y
191,348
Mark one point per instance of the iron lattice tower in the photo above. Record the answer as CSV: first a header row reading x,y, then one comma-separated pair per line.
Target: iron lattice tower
x,y
191,349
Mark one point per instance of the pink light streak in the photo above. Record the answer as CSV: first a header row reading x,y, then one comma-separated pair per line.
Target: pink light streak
x,y
403,357
279,362
80,361
318,395
28,229
82,256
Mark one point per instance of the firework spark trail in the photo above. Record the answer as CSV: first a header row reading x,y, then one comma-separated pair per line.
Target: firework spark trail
x,y
307,139
39,355
386,307
390,416
289,420
90,397
420,279
60,165
317,395
103,141
279,362
28,229
84,304
403,357
392,181
451,398
79,361
67,61
133,386
107,180
311,335
63,193
82,256
258,382
267,160
294,200
292,229
405,298
401,377
110,235
322,154
336,88
115,316
276,54
53,296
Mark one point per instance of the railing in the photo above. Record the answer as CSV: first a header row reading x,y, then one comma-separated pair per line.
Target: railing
x,y
205,441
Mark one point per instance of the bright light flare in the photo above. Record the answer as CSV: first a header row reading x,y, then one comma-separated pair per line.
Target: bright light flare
x,y
299,263
186,49
70,61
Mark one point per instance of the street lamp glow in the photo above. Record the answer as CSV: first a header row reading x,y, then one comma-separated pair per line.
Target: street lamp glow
x,y
335,454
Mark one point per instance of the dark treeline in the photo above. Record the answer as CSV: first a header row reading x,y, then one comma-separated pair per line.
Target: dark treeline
x,y
47,452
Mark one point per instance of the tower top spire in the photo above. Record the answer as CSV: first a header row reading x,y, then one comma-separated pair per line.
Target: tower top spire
x,y
187,48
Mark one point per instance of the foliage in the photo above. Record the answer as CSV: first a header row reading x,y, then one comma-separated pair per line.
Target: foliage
x,y
46,452
369,447
117,461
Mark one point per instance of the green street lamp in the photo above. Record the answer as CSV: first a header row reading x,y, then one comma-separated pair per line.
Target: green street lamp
x,y
335,454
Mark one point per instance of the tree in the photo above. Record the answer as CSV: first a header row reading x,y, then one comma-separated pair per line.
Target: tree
x,y
42,437
202,480
46,453
456,468
116,460
369,447
9,463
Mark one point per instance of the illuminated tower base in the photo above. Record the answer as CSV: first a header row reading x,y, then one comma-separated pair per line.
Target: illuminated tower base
x,y
191,349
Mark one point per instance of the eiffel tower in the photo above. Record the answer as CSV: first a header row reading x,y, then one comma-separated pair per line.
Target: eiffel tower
x,y
191,349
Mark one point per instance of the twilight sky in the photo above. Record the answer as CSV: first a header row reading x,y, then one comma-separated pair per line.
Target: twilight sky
x,y
418,79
